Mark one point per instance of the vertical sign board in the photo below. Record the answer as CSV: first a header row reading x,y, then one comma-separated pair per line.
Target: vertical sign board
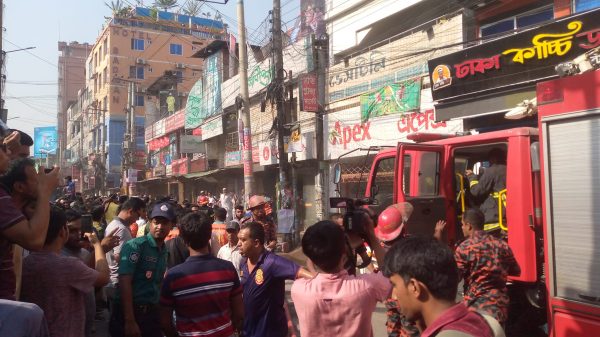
x,y
45,141
308,93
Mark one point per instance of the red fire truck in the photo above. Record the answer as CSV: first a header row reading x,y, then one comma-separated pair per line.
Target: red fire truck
x,y
551,201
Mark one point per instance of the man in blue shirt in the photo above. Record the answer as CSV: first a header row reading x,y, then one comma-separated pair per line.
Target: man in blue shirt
x,y
263,276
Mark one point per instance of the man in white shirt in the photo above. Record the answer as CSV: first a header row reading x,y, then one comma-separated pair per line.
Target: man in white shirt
x,y
129,211
226,201
231,251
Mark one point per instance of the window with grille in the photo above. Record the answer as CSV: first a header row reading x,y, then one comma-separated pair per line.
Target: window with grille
x,y
232,142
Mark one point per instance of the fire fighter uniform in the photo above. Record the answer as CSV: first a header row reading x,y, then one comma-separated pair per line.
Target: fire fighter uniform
x,y
489,186
484,262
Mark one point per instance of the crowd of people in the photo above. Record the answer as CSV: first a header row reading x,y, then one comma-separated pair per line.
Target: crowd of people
x,y
210,268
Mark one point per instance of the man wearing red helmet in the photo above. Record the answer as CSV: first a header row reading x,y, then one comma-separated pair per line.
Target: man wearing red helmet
x,y
203,206
391,229
256,205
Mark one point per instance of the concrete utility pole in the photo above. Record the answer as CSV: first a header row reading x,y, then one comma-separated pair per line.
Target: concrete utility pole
x,y
127,140
279,92
321,44
246,133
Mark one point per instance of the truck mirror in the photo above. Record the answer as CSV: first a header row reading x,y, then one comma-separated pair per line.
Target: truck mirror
x,y
337,173
535,156
374,190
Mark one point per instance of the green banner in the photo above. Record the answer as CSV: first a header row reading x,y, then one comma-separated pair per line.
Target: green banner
x,y
193,109
396,98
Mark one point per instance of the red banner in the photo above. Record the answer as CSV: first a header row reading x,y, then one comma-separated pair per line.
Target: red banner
x,y
308,93
175,121
158,143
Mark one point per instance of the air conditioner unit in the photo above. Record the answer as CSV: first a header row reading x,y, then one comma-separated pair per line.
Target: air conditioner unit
x,y
140,60
180,66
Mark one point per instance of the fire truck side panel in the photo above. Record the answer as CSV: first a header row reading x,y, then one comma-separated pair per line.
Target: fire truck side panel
x,y
569,117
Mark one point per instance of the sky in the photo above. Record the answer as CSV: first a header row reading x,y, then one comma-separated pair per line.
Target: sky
x,y
32,75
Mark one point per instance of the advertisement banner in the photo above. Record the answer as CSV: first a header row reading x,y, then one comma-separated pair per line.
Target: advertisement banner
x,y
45,141
308,93
159,143
233,158
346,132
313,17
190,144
212,128
175,121
212,86
391,99
193,106
305,148
159,128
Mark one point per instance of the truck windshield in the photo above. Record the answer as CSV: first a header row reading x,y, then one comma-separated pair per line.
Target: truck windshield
x,y
383,179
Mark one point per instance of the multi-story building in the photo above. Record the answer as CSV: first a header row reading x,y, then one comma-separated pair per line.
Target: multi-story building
x,y
71,78
151,49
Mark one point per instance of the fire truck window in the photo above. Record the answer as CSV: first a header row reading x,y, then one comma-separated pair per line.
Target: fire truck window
x,y
384,180
429,174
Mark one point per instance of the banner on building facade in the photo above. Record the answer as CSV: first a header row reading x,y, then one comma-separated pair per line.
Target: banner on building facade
x,y
396,98
159,143
212,86
295,141
312,13
175,121
193,106
190,144
212,128
45,141
346,132
308,93
516,60
304,146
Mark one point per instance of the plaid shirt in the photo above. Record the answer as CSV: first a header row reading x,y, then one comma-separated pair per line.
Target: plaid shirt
x,y
484,262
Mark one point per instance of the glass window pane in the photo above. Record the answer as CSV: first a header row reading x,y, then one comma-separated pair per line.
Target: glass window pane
x,y
429,174
384,180
584,5
532,19
498,27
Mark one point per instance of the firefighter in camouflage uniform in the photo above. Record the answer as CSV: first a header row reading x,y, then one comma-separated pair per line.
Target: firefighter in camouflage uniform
x,y
484,262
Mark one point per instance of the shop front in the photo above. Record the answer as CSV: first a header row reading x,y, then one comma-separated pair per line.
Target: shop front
x,y
483,85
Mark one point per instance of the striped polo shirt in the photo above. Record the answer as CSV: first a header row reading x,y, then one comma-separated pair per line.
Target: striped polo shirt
x,y
200,292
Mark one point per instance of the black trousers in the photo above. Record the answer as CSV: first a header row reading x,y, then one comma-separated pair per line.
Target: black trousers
x,y
146,316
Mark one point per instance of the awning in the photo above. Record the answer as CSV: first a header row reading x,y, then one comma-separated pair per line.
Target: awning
x,y
151,179
202,174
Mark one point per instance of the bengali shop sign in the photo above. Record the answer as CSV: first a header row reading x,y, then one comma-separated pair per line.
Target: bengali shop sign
x,y
515,60
346,132
212,128
308,93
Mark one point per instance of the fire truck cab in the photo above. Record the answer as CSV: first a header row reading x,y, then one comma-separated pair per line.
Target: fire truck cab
x,y
551,201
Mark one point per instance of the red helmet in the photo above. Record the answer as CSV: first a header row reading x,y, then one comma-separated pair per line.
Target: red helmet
x,y
202,200
390,224
255,201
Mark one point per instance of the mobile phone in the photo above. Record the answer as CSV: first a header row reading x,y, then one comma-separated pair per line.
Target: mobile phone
x,y
86,224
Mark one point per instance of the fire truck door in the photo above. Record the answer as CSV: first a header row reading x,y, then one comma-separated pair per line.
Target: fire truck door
x,y
422,186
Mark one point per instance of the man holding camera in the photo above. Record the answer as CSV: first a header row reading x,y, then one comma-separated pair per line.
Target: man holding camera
x,y
334,302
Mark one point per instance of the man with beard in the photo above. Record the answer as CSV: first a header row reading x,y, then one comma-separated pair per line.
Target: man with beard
x,y
256,205
142,266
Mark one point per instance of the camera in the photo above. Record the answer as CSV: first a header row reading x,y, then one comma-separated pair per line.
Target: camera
x,y
355,214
